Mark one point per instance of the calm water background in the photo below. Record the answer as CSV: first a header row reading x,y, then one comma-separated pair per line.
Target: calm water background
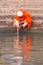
x,y
22,49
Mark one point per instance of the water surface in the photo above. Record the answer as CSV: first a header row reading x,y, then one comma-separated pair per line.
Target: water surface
x,y
21,49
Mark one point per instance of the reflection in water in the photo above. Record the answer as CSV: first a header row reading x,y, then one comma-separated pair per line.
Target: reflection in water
x,y
26,48
15,50
22,45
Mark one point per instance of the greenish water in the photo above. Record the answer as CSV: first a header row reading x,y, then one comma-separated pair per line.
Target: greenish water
x,y
26,49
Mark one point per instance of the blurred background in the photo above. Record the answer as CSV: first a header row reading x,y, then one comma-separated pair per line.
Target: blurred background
x,y
9,8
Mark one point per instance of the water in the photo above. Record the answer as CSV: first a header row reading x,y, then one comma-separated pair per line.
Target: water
x,y
21,49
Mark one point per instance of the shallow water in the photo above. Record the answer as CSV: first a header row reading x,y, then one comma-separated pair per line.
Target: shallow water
x,y
21,49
